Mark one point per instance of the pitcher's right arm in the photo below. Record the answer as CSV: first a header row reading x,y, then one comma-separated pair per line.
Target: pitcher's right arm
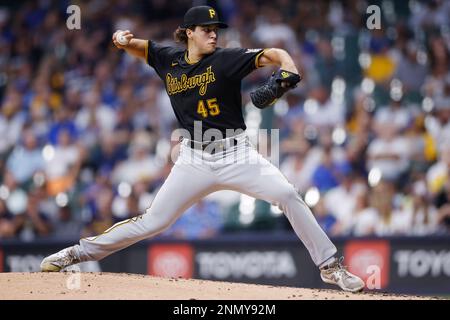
x,y
135,47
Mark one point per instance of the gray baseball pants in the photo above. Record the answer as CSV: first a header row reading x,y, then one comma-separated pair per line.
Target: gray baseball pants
x,y
198,173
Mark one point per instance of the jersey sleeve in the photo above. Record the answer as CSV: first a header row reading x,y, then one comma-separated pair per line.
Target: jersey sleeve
x,y
238,62
158,56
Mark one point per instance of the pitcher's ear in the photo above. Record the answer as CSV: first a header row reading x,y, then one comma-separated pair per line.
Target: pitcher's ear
x,y
189,31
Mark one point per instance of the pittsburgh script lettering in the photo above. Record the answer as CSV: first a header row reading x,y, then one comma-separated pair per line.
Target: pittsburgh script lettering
x,y
175,85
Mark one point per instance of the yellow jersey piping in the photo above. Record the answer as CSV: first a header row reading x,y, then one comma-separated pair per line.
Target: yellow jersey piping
x,y
257,58
187,59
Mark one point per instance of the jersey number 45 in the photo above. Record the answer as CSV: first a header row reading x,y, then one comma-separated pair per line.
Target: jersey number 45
x,y
212,108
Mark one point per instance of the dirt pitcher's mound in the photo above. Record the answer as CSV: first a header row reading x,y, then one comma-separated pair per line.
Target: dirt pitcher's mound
x,y
132,286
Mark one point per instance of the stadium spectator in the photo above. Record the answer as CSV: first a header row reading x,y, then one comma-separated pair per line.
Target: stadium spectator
x,y
322,111
325,219
65,225
8,222
396,114
295,167
327,175
33,222
388,152
382,63
346,193
94,119
100,216
439,56
391,218
106,154
25,159
424,220
12,119
410,70
63,164
438,123
364,219
141,165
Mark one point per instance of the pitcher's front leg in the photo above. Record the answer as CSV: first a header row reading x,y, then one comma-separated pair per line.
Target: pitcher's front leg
x,y
264,181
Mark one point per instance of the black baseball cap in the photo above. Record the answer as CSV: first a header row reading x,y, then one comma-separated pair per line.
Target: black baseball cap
x,y
202,16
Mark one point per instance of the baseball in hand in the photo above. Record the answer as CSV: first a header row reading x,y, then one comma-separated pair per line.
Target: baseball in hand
x,y
121,39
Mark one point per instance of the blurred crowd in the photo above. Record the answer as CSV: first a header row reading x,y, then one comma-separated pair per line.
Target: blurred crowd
x,y
365,137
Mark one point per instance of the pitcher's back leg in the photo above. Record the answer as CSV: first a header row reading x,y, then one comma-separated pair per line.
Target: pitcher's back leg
x,y
185,185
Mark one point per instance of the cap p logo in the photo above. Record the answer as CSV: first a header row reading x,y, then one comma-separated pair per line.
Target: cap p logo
x,y
212,13
284,74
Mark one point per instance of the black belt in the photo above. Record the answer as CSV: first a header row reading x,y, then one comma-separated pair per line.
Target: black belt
x,y
213,147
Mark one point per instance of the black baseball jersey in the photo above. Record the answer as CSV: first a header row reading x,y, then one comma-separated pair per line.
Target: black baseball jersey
x,y
207,91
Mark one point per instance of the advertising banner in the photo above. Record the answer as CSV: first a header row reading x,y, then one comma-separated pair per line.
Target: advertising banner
x,y
397,265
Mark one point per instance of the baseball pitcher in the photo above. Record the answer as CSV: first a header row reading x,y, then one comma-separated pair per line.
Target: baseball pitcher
x,y
204,86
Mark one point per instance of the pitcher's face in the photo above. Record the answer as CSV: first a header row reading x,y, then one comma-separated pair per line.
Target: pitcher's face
x,y
204,38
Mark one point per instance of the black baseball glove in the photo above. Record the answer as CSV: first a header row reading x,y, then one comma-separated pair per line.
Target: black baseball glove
x,y
277,85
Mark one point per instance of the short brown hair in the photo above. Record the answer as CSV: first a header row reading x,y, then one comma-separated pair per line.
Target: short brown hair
x,y
180,34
